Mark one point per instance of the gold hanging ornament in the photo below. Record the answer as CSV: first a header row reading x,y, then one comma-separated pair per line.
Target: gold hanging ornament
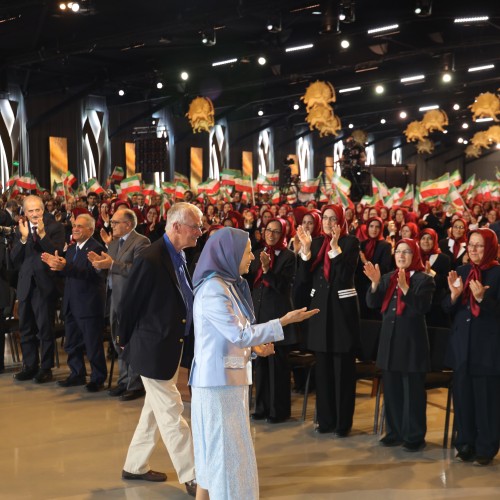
x,y
416,131
425,146
435,119
318,93
472,151
201,114
486,105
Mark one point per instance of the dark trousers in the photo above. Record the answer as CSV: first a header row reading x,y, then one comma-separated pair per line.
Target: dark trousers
x,y
272,384
2,343
335,390
85,335
476,402
405,401
36,319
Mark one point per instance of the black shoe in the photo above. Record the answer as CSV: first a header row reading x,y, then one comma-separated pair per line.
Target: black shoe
x,y
342,433
131,395
71,382
324,429
276,420
482,461
465,454
150,475
43,375
26,374
191,487
94,386
412,447
117,391
390,441
258,416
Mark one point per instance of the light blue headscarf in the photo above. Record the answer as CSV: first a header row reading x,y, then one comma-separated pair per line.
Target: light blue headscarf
x,y
221,257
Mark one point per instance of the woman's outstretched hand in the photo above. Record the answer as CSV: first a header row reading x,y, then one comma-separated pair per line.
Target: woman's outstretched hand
x,y
297,316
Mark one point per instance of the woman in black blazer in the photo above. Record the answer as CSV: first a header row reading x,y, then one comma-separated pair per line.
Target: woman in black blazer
x,y
438,265
271,276
454,246
404,297
474,349
325,280
377,251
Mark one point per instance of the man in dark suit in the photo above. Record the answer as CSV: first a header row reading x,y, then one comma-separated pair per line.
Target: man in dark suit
x,y
123,250
83,306
36,288
155,322
92,207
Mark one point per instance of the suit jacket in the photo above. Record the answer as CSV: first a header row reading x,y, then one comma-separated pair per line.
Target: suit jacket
x,y
446,246
152,315
123,258
27,258
84,287
475,342
336,327
224,336
404,344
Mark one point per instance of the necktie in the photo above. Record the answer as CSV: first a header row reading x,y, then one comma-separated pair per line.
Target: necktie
x,y
120,243
34,233
76,253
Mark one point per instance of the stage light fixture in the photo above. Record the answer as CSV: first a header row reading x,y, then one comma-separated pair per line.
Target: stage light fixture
x,y
383,121
446,77
260,112
159,85
412,79
299,47
222,63
423,8
384,30
345,44
208,38
349,89
481,68
468,20
347,13
274,25
460,140
296,107
184,75
479,120
121,92
403,115
262,60
429,107
456,107
379,89
465,125
69,6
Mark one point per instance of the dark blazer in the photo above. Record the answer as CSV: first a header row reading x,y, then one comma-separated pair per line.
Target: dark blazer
x,y
152,315
84,288
437,316
475,342
444,246
27,258
274,300
336,327
404,344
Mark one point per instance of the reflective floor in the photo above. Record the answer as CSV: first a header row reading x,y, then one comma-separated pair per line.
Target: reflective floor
x,y
68,444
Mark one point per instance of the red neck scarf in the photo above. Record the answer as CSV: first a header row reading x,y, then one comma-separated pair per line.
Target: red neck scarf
x,y
322,256
416,265
458,241
316,215
488,261
371,243
435,247
271,250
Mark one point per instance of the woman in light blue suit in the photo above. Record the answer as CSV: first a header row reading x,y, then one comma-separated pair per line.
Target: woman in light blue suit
x,y
221,372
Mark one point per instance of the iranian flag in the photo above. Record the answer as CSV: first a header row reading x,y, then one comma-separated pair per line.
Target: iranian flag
x,y
165,206
228,176
497,174
244,184
210,186
341,183
131,184
148,190
168,187
408,197
379,188
118,174
456,178
58,189
13,179
266,187
395,194
276,196
94,186
68,178
324,195
244,198
291,198
311,185
467,186
367,201
273,176
178,177
81,190
345,201
435,187
27,181
495,191
454,199
180,189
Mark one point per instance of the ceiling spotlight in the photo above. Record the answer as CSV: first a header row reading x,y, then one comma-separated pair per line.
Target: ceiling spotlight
x,y
445,131
260,112
379,89
383,121
351,125
184,75
261,60
460,140
274,25
159,85
208,38
423,8
121,92
403,115
74,6
456,107
347,13
62,6
153,122
466,142
465,125
446,77
296,106
345,44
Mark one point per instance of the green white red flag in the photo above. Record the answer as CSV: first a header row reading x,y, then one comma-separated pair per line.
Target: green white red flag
x,y
118,174
210,186
94,186
180,189
131,184
311,185
178,177
228,176
273,177
244,184
456,178
435,187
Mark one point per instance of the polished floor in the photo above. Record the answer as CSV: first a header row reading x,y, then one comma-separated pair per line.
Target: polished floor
x,y
68,444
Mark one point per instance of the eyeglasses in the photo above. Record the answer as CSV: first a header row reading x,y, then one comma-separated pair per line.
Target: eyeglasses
x,y
330,219
459,227
194,227
403,252
274,232
474,246
115,222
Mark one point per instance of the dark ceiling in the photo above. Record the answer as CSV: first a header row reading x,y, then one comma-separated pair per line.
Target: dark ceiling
x,y
130,45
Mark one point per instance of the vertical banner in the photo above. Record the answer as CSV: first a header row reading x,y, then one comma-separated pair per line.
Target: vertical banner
x,y
247,163
329,168
196,167
295,165
129,159
58,150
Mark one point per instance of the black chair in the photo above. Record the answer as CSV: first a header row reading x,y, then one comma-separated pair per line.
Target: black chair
x,y
111,352
305,360
12,327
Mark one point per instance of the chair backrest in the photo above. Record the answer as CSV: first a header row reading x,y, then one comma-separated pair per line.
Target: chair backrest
x,y
369,335
438,343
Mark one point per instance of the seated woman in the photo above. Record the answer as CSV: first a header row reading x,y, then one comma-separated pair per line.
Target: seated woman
x,y
455,245
221,372
409,230
271,276
474,349
404,297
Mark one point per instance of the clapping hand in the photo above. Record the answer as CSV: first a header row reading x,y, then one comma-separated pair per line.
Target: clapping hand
x,y
103,261
55,262
105,236
263,350
305,239
265,260
334,242
477,289
372,272
297,316
455,285
402,283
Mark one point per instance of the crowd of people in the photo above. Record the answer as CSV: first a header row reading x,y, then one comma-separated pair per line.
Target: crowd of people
x,y
116,261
